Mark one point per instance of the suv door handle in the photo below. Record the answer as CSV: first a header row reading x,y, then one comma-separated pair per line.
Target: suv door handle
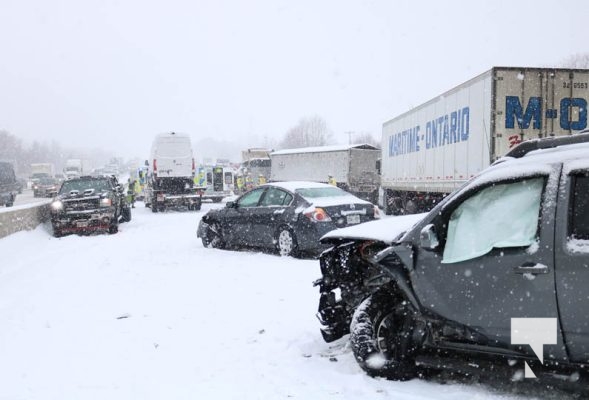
x,y
531,268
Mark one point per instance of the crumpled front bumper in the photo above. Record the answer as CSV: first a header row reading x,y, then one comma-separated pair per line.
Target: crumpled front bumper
x,y
84,221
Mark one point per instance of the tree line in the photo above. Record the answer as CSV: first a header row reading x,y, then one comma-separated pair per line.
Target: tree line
x,y
22,155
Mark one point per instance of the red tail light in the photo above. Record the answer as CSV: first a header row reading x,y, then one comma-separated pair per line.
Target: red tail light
x,y
193,167
318,215
154,165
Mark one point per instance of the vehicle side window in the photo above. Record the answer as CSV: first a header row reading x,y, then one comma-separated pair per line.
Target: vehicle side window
x,y
228,178
276,197
579,207
209,178
499,216
250,199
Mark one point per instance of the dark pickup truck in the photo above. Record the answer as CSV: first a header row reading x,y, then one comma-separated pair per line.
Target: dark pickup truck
x,y
8,184
495,277
89,204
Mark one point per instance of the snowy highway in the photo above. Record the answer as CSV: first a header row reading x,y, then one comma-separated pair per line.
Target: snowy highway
x,y
26,197
149,313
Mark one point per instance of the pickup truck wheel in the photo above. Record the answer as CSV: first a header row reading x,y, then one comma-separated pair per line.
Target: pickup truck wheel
x,y
213,238
114,227
126,214
286,242
381,336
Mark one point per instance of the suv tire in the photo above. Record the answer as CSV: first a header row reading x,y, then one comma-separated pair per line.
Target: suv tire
x,y
380,334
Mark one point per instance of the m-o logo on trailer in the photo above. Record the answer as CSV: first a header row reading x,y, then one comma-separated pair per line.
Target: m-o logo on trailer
x,y
568,105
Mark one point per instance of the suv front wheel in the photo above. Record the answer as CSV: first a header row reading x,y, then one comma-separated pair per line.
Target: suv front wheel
x,y
381,336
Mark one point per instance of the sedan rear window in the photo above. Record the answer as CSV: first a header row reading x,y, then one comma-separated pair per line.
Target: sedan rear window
x,y
314,193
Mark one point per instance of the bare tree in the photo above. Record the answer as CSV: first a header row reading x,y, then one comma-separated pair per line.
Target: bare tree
x,y
579,60
308,132
365,138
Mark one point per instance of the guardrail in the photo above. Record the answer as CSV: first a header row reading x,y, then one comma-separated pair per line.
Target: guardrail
x,y
23,218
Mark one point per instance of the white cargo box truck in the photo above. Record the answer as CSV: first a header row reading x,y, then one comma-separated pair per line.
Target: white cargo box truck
x,y
434,148
354,167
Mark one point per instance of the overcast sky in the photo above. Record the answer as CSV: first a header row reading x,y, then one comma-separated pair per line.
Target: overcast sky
x,y
112,74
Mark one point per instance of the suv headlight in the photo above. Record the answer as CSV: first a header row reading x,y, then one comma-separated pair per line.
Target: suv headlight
x,y
57,206
105,202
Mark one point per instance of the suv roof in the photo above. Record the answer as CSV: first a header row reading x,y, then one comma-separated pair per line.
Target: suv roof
x,y
552,142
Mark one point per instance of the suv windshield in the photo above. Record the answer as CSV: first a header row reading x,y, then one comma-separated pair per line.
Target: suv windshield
x,y
313,193
99,185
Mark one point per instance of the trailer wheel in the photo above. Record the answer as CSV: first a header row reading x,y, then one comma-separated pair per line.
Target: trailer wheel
x,y
410,207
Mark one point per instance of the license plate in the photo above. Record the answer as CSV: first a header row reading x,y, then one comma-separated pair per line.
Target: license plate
x,y
353,219
82,224
160,197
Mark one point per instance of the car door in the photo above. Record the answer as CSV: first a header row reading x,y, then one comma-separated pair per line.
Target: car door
x,y
572,260
271,215
238,224
495,259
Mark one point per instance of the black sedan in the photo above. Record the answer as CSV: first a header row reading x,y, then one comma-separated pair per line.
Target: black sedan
x,y
290,217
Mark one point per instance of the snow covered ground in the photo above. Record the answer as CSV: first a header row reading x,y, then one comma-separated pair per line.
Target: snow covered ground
x,y
149,313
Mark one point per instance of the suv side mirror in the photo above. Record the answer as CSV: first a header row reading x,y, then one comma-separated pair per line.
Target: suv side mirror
x,y
231,204
428,238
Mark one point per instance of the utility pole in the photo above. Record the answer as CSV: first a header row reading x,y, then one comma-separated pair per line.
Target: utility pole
x,y
349,133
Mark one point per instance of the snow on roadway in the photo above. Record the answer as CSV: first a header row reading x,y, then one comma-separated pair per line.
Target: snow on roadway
x,y
25,200
151,314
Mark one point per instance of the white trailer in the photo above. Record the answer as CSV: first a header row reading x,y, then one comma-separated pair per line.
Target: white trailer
x,y
354,167
434,148
42,170
74,168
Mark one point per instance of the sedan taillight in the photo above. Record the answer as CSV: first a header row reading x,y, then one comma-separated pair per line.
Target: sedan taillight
x,y
318,215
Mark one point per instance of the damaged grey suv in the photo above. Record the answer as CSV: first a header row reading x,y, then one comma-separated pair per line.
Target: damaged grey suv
x,y
506,255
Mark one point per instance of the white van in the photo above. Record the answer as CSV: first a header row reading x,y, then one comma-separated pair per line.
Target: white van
x,y
171,181
171,156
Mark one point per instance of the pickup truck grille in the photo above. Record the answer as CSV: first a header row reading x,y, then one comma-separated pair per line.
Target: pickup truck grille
x,y
81,205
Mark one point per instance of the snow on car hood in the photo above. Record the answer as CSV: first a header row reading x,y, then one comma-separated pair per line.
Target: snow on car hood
x,y
385,230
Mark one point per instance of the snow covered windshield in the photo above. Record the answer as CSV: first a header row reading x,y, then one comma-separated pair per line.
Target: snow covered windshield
x,y
99,185
320,192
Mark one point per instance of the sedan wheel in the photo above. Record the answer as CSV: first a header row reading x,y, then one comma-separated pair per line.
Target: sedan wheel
x,y
286,243
212,237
